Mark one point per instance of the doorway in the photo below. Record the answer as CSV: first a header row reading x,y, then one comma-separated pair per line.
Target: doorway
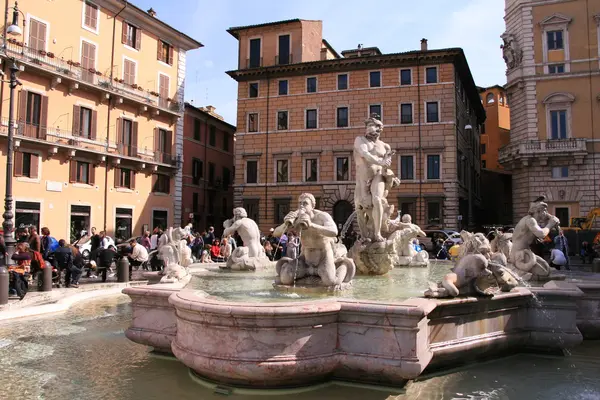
x,y
341,212
80,222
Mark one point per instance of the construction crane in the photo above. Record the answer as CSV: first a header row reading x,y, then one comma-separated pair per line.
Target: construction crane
x,y
584,223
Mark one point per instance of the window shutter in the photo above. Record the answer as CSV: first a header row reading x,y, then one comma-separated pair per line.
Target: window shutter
x,y
132,172
117,177
94,125
157,149
92,174
119,131
138,38
154,182
94,17
134,139
34,167
159,50
18,168
73,171
43,118
41,36
33,28
22,105
169,144
124,33
76,121
170,55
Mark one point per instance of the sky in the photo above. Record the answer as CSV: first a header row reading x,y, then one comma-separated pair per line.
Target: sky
x,y
391,25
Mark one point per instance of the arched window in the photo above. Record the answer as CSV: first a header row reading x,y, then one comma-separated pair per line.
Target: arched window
x,y
501,99
490,98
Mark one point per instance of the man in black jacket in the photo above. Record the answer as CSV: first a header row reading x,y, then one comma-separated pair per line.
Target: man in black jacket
x,y
105,260
63,261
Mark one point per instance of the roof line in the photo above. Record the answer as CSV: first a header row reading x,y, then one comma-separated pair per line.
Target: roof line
x,y
330,47
189,105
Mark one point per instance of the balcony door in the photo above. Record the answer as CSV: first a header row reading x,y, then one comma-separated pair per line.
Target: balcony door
x,y
127,137
33,114
163,90
284,49
255,59
88,61
37,35
162,145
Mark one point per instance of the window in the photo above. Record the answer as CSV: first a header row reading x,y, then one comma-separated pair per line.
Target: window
x,y
310,170
405,77
88,61
226,174
129,71
83,172
342,82
26,214
375,109
282,120
562,213
558,124
483,149
556,69
406,114
282,171
165,52
197,171
225,141
26,165
26,171
501,99
284,50
342,117
311,119
407,172
251,207
483,164
311,85
407,206
375,79
132,36
434,211
555,40
283,87
431,75
255,58
126,138
433,166
253,122
560,172
490,98
253,90
252,171
90,16
85,123
37,35
123,223
34,104
342,167
125,179
211,173
432,112
197,129
282,207
195,202
162,184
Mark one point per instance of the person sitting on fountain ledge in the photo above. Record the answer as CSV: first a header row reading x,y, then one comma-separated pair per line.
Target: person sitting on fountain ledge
x,y
322,262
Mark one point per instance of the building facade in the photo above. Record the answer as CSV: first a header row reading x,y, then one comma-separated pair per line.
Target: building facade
x,y
98,117
495,133
553,85
301,105
208,168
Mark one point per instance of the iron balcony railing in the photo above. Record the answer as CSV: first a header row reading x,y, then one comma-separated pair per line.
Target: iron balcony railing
x,y
284,60
254,63
65,138
74,70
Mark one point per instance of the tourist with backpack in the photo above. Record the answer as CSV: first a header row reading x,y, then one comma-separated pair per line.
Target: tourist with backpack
x,y
49,244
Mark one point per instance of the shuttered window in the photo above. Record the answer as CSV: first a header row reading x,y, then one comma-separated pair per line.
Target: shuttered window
x,y
26,165
90,18
125,178
129,72
82,172
88,61
84,122
164,52
37,35
131,36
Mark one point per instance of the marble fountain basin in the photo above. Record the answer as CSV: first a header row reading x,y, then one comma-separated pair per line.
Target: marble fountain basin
x,y
225,335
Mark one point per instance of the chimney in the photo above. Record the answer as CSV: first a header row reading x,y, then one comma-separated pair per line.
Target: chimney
x,y
210,109
423,44
151,12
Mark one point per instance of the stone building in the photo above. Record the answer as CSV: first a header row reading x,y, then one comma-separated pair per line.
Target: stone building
x,y
207,168
301,105
553,84
495,133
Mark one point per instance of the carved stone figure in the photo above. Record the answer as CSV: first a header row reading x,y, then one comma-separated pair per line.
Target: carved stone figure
x,y
532,227
176,255
511,51
502,243
406,252
252,255
474,243
322,261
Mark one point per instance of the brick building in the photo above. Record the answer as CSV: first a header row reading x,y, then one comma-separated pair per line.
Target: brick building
x,y
301,105
98,117
553,88
495,133
208,148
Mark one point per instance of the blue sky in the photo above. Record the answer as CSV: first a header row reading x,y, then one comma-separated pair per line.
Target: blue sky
x,y
474,25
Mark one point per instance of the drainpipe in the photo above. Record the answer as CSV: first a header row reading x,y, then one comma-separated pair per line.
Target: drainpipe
x,y
112,59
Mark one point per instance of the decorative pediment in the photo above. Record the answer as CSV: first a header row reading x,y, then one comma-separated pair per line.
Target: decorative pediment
x,y
559,97
556,19
563,194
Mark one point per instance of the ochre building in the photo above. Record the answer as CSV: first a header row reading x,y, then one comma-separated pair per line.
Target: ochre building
x,y
301,105
553,85
98,117
495,133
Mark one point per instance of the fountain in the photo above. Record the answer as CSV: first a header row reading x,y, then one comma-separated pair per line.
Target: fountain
x,y
252,255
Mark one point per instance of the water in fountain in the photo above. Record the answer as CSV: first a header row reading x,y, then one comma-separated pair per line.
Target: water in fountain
x,y
347,224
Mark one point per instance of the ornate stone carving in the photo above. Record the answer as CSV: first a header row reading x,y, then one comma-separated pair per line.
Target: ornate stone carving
x,y
511,51
252,255
176,255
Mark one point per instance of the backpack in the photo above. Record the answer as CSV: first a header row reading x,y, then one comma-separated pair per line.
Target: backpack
x,y
37,259
52,244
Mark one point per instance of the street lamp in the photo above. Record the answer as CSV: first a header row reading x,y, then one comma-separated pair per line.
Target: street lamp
x,y
8,216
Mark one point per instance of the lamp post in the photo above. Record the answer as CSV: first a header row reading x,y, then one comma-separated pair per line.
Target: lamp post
x,y
8,216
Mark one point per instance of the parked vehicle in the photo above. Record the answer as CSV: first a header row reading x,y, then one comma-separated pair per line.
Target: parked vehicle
x,y
85,245
429,242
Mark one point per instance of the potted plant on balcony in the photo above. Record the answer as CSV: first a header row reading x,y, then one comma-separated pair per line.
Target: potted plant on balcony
x,y
98,73
134,85
92,70
42,52
153,93
50,54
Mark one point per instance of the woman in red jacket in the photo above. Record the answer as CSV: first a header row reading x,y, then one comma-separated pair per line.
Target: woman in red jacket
x,y
215,251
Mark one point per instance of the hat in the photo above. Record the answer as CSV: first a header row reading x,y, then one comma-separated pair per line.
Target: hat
x,y
272,230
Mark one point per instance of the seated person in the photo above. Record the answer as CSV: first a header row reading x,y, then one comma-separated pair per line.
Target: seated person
x,y
215,251
557,259
138,256
18,273
105,260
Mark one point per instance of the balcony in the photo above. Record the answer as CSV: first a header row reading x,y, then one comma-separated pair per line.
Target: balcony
x,y
253,63
279,60
56,138
72,71
542,150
